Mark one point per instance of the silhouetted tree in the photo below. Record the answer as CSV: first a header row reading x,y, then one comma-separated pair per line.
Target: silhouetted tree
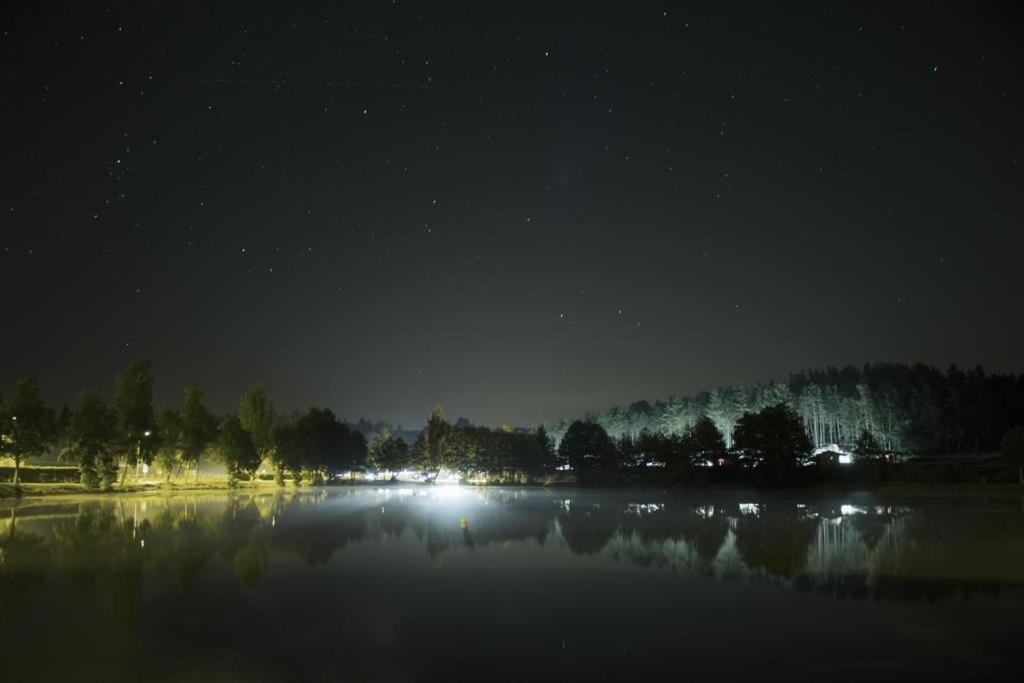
x,y
589,451
703,442
389,452
775,438
236,450
867,446
318,445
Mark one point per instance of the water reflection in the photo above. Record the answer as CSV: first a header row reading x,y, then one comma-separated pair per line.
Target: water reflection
x,y
884,551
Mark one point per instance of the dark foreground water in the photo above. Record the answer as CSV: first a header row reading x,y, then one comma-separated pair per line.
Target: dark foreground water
x,y
438,583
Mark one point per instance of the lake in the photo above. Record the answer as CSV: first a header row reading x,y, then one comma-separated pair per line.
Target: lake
x,y
458,583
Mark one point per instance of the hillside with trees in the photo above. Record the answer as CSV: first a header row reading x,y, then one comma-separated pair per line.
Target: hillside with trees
x,y
917,409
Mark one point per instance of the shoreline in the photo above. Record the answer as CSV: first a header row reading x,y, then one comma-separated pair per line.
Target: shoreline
x,y
910,489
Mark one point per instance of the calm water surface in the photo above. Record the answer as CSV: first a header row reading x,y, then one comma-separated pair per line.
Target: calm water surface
x,y
439,583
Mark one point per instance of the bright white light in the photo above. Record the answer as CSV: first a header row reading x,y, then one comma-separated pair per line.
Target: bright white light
x,y
749,508
447,477
845,459
847,510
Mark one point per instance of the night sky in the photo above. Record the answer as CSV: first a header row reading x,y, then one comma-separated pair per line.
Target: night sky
x,y
521,211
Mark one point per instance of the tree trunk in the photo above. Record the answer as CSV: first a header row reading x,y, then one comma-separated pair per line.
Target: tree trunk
x,y
124,472
197,471
17,467
1020,474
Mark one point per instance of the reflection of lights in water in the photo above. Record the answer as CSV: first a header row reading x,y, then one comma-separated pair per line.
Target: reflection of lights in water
x,y
447,492
640,508
704,511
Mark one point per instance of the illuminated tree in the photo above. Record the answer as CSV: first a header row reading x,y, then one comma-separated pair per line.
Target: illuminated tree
x,y
237,450
169,439
198,427
725,406
28,427
92,440
133,411
389,452
433,446
256,414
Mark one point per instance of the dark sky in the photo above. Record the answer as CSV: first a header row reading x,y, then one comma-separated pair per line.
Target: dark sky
x,y
520,210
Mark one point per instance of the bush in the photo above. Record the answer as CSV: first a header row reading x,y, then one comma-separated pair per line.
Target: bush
x,y
42,474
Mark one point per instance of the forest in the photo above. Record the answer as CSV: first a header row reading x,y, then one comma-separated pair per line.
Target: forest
x,y
916,410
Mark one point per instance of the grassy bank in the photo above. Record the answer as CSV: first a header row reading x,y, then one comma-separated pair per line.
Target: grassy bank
x,y
33,490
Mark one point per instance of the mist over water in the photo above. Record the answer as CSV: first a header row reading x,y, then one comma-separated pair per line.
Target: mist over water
x,y
442,583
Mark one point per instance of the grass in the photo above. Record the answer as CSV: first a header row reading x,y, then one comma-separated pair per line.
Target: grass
x,y
32,490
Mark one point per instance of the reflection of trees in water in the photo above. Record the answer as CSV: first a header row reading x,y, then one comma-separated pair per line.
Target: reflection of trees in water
x,y
97,549
20,553
105,548
587,527
776,539
469,521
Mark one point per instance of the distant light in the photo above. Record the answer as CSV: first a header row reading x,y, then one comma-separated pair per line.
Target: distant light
x,y
147,433
845,459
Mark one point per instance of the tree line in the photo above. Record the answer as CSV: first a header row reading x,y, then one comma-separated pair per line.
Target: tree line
x,y
107,440
768,433
914,409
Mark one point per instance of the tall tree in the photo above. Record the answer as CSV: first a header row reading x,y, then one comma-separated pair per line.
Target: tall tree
x,y
169,440
704,443
198,427
28,427
93,441
133,408
433,446
257,417
236,450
